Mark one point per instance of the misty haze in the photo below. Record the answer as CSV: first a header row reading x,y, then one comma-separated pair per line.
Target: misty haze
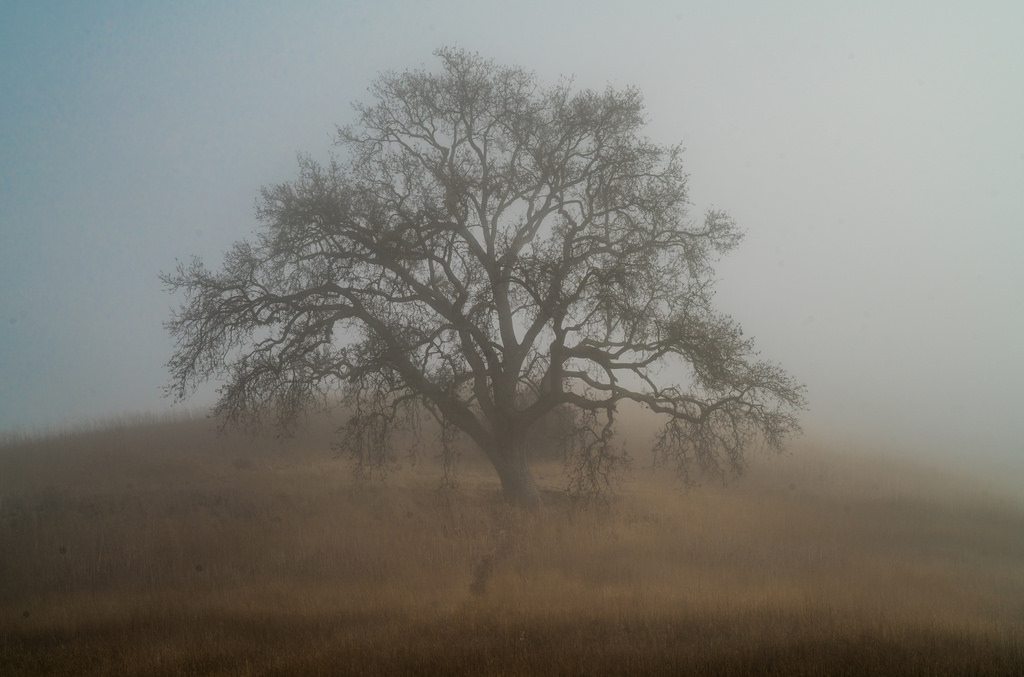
x,y
676,339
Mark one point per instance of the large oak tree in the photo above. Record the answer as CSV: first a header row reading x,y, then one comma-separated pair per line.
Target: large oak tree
x,y
489,250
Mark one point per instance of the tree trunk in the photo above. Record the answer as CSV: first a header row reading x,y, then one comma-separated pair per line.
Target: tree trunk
x,y
517,483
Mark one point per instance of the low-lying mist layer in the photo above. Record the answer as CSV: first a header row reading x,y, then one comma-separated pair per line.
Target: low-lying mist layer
x,y
167,549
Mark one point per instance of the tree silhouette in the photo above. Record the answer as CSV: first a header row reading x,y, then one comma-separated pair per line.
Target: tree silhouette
x,y
489,250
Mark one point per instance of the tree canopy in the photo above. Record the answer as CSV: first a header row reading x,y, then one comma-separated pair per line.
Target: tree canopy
x,y
487,249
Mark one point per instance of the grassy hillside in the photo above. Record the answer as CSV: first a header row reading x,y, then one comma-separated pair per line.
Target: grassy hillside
x,y
164,549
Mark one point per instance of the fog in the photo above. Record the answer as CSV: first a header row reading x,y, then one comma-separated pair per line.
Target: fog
x,y
873,153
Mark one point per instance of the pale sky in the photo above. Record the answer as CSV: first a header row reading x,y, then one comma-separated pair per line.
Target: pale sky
x,y
873,151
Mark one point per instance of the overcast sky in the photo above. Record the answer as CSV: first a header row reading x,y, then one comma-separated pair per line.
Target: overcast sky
x,y
873,151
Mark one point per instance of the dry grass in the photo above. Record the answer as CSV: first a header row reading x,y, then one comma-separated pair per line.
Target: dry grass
x,y
162,549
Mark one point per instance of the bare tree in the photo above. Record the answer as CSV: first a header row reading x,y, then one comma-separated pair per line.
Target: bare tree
x,y
489,249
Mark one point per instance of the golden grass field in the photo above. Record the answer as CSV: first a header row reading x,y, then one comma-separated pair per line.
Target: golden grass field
x,y
162,548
